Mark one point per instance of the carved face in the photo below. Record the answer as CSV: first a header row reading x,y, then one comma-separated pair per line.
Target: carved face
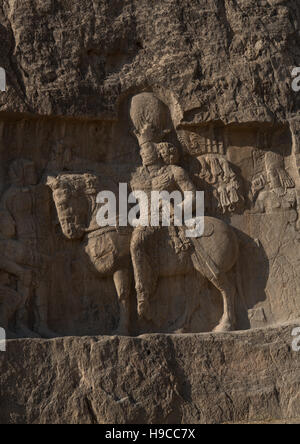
x,y
273,178
72,210
169,153
22,172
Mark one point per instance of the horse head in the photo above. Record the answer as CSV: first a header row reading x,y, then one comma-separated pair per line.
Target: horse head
x,y
74,196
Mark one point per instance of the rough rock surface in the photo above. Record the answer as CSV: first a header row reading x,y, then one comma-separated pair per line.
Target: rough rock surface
x,y
227,60
208,378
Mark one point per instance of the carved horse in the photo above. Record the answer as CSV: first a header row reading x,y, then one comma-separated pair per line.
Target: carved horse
x,y
109,251
213,255
106,250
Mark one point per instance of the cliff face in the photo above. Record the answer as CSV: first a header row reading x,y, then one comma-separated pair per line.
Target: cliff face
x,y
222,60
241,377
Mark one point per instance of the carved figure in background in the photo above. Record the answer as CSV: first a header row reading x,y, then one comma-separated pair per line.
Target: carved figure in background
x,y
216,171
19,201
12,296
274,190
223,186
15,279
60,158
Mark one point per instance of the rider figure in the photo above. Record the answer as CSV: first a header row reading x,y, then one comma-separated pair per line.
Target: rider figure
x,y
159,172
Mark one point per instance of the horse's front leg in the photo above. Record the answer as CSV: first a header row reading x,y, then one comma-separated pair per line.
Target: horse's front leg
x,y
228,291
122,280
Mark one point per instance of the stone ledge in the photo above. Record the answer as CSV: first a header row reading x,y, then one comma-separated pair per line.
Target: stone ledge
x,y
250,376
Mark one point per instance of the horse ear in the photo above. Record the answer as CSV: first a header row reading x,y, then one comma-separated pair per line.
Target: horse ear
x,y
51,182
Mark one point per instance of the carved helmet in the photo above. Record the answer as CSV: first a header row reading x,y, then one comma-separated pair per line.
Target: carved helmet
x,y
150,118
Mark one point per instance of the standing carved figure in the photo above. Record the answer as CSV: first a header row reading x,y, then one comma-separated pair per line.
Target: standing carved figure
x,y
20,202
274,190
12,297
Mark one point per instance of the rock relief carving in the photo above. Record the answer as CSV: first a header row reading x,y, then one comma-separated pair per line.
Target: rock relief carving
x,y
273,190
112,252
251,207
204,254
215,171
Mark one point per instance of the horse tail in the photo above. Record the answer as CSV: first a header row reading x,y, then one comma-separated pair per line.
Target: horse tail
x,y
239,282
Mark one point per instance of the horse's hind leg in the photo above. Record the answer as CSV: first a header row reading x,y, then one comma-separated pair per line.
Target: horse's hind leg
x,y
122,281
228,291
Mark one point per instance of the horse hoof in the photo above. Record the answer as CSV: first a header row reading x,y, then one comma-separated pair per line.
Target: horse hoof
x,y
144,310
223,327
